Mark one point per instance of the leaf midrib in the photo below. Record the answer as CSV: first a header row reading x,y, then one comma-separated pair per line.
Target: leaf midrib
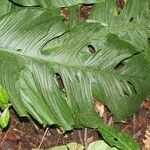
x,y
77,67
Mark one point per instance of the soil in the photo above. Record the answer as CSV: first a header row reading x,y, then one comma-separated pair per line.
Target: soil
x,y
24,134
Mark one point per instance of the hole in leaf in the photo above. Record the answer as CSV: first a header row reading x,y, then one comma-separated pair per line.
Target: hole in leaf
x,y
125,61
18,50
65,13
119,6
131,19
119,66
91,48
115,139
120,3
59,81
132,87
148,39
126,94
68,148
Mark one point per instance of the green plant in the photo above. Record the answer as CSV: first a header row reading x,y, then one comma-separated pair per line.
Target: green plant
x,y
37,48
4,105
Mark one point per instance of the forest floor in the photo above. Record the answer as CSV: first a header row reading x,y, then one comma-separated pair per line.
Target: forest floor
x,y
23,134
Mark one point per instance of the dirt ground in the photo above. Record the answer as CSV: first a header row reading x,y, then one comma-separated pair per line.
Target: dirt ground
x,y
23,134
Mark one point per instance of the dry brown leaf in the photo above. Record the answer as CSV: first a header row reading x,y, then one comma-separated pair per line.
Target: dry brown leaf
x,y
146,104
99,108
146,141
59,131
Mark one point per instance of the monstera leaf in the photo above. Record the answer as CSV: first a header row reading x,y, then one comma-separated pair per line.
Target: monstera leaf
x,y
28,29
116,72
99,58
31,76
131,25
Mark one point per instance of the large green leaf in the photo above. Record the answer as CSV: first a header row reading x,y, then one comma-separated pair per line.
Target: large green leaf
x,y
26,29
56,3
57,87
121,89
132,24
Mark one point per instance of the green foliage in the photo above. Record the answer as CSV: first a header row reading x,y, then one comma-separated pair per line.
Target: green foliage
x,y
4,118
51,73
131,25
117,138
4,100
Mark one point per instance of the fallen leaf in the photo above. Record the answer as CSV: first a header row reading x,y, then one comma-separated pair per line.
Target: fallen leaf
x,y
146,104
146,141
99,108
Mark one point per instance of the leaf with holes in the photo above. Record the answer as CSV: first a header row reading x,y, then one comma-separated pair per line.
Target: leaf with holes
x,y
31,76
122,89
30,29
56,83
131,24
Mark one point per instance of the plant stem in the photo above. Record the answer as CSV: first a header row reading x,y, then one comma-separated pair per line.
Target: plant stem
x,y
73,15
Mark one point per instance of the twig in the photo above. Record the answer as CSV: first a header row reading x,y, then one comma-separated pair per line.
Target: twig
x,y
133,124
85,134
85,138
57,140
5,137
35,127
110,121
43,138
80,137
20,144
